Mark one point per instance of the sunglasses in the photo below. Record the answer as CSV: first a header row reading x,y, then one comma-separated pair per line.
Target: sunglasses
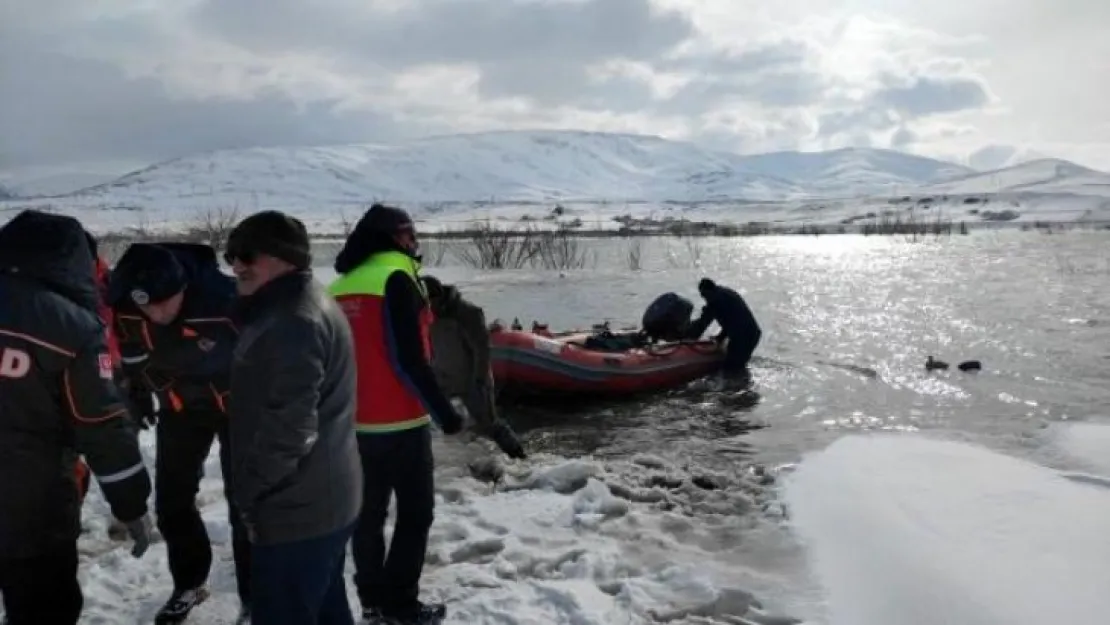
x,y
243,254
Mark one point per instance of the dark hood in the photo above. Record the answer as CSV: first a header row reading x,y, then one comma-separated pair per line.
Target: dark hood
x,y
197,264
444,298
446,302
52,250
196,258
372,234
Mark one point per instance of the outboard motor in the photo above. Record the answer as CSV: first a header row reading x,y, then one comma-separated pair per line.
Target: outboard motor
x,y
667,317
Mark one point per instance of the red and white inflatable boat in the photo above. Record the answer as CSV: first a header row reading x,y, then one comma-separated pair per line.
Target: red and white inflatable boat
x,y
539,362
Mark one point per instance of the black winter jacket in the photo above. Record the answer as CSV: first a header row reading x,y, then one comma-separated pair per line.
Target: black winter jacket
x,y
57,397
188,362
297,471
731,312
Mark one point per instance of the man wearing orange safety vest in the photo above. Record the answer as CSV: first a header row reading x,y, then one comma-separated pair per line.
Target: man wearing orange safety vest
x,y
173,308
380,291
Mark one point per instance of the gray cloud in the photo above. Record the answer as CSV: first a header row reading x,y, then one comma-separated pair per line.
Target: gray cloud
x,y
539,51
897,103
451,31
73,109
903,138
774,74
930,95
76,101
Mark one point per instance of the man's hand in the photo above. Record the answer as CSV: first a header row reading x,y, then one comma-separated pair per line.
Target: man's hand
x,y
139,530
507,442
452,423
146,407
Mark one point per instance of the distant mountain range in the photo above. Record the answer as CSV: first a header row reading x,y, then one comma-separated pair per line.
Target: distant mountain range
x,y
553,166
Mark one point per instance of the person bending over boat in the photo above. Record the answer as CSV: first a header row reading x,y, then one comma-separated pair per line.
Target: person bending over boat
x,y
461,361
738,324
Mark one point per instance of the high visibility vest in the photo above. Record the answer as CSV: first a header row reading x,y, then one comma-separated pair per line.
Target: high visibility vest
x,y
386,402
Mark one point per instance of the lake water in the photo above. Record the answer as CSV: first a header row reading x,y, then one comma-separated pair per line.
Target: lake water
x,y
848,323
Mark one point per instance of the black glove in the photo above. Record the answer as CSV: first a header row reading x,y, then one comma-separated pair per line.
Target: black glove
x,y
507,441
139,530
452,423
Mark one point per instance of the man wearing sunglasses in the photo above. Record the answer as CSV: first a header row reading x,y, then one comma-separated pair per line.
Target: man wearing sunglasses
x,y
398,397
296,474
172,308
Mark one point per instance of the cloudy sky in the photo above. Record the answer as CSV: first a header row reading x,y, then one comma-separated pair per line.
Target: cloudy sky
x,y
144,80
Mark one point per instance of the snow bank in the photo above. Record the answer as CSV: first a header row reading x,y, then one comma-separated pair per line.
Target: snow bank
x,y
556,541
907,530
1087,443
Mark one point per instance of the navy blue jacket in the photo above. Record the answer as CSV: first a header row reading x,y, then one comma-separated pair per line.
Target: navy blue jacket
x,y
57,397
731,312
188,362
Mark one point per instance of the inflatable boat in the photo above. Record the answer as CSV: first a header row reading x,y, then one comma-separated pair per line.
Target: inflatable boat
x,y
595,364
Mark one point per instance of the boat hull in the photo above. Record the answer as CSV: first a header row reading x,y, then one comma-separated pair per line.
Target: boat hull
x,y
533,363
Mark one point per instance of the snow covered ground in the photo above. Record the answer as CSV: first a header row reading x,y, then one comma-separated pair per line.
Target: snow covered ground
x,y
909,530
560,541
896,528
454,180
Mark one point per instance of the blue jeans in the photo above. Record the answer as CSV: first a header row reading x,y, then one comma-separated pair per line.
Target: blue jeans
x,y
301,583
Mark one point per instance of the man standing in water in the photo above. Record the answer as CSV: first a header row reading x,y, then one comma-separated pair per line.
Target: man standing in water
x,y
379,289
738,324
297,479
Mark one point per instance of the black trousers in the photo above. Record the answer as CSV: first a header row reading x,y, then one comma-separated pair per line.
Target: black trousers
x,y
739,351
397,463
183,442
42,590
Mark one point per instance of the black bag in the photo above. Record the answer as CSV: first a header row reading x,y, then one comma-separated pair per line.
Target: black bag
x,y
667,317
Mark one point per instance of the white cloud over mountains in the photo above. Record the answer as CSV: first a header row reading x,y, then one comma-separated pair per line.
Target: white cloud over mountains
x,y
145,80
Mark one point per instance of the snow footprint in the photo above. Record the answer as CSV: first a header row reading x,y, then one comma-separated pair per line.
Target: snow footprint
x,y
478,551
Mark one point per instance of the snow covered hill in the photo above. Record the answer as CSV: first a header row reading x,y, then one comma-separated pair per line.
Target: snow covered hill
x,y
854,171
1047,175
514,166
594,175
496,166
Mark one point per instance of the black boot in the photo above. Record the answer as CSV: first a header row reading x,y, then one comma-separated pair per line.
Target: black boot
x,y
180,604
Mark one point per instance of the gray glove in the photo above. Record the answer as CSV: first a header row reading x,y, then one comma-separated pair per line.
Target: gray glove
x,y
139,530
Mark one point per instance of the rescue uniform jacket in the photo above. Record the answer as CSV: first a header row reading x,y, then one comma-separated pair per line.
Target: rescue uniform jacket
x,y
186,364
731,312
57,395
